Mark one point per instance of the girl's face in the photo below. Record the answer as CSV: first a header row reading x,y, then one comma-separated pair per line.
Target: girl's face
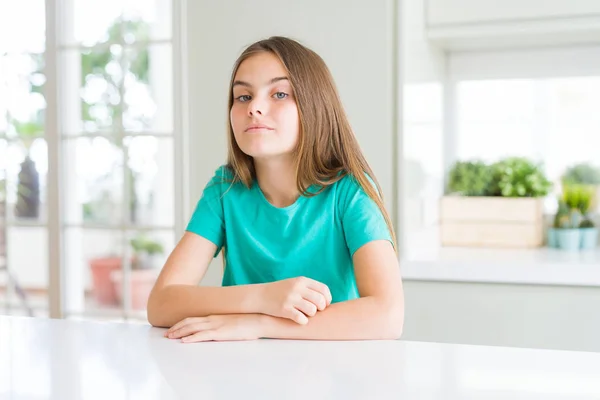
x,y
264,114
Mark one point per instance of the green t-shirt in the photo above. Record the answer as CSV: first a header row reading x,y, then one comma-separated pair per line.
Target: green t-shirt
x,y
315,237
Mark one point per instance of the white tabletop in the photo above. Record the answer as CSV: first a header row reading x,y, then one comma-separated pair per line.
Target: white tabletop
x,y
58,359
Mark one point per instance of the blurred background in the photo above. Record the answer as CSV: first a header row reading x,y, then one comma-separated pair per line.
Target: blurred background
x,y
480,119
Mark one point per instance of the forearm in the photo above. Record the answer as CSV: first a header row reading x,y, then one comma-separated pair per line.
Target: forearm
x,y
361,319
171,304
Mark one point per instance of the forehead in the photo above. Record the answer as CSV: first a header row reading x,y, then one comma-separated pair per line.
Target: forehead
x,y
260,68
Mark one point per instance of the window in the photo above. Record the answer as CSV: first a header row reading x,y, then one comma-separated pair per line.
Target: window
x,y
552,120
114,133
541,103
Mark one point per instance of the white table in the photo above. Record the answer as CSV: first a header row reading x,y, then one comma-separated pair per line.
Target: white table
x,y
57,359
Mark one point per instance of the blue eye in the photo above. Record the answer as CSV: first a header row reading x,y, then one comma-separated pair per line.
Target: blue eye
x,y
243,98
280,95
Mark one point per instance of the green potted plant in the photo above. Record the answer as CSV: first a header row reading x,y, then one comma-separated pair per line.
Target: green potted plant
x,y
146,263
573,227
584,174
588,230
518,177
563,210
469,178
581,174
565,233
28,189
497,205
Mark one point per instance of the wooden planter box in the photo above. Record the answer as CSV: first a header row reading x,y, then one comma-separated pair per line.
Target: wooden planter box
x,y
492,222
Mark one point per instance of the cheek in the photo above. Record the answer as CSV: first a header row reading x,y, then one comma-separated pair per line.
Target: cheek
x,y
289,115
236,116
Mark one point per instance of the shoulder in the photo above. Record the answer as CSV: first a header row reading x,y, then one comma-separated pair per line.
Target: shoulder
x,y
222,175
350,185
221,180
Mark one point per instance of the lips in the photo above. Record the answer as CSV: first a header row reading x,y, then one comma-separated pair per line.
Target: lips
x,y
258,127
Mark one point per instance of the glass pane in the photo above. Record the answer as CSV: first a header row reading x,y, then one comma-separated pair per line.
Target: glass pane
x,y
93,181
496,100
24,284
22,26
92,23
543,119
149,252
92,259
152,191
146,20
3,96
92,99
3,233
26,164
23,81
573,134
148,91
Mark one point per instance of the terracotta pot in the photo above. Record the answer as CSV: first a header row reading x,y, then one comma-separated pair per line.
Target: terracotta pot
x,y
142,281
103,289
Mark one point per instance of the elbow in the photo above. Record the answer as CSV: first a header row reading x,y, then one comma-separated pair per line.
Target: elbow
x,y
393,321
154,314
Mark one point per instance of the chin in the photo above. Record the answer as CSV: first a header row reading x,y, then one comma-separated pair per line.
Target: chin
x,y
264,154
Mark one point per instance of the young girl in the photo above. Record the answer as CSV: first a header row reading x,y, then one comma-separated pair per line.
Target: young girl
x,y
308,245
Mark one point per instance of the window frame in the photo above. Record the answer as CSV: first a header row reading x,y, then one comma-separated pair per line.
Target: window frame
x,y
58,297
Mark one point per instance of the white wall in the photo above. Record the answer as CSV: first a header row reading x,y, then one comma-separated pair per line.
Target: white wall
x,y
354,37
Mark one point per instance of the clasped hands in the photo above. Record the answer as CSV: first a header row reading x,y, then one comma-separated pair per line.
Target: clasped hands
x,y
295,299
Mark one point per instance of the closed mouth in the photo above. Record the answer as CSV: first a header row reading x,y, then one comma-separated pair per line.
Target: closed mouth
x,y
258,128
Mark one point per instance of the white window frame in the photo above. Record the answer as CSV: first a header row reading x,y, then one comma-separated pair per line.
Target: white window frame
x,y
57,283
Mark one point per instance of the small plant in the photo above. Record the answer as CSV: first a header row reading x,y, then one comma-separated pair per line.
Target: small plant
x,y
28,189
144,250
587,223
469,178
579,198
582,174
563,211
518,177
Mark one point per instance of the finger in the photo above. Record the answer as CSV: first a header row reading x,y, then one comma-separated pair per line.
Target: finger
x,y
297,316
190,329
183,323
178,325
203,336
321,288
316,298
306,307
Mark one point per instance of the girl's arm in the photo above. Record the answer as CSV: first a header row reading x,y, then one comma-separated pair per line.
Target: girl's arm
x,y
377,314
177,296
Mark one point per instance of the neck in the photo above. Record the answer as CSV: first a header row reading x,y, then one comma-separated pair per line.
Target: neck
x,y
277,180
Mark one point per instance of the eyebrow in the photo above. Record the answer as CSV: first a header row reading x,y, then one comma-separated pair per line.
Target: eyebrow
x,y
272,81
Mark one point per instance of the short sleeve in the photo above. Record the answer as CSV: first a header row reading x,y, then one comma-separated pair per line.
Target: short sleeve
x,y
208,218
362,220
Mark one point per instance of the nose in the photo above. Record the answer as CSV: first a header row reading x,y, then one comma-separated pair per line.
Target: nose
x,y
256,107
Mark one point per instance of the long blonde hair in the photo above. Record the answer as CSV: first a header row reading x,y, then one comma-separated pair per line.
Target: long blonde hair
x,y
327,149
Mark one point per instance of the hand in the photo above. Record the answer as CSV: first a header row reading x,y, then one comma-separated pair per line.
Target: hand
x,y
295,298
217,328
